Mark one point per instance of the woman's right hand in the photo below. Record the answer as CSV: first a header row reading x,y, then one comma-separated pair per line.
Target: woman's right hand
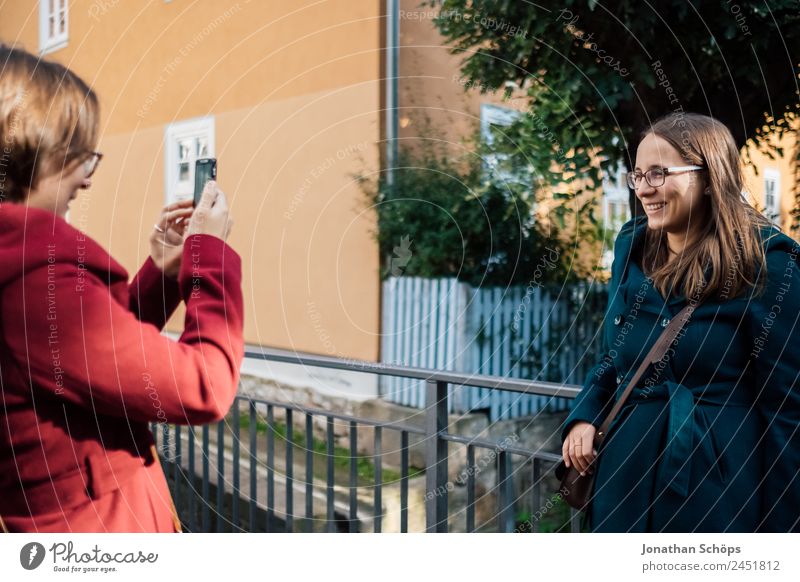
x,y
211,215
578,447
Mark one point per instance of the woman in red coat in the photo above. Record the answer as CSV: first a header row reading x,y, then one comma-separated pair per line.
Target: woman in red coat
x,y
83,365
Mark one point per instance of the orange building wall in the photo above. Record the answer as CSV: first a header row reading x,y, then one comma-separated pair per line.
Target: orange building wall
x,y
754,177
295,91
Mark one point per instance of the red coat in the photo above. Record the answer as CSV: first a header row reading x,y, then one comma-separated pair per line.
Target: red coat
x,y
84,369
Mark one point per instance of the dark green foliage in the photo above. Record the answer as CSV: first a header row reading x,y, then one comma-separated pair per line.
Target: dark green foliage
x,y
596,73
446,217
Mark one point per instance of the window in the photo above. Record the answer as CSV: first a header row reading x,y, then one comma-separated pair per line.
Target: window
x,y
615,199
53,25
616,208
185,142
501,166
772,195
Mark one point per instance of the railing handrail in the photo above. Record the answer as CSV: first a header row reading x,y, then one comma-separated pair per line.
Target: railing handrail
x,y
536,387
433,436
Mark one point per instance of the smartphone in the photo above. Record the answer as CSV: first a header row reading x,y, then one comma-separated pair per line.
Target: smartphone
x,y
205,169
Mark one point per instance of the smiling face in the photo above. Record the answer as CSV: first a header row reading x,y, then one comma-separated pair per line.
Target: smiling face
x,y
55,192
678,207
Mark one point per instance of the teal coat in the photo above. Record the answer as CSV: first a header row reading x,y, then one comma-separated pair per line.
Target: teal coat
x,y
712,442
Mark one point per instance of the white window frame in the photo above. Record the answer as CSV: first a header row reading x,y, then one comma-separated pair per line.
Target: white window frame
x,y
615,192
496,115
772,208
59,40
189,129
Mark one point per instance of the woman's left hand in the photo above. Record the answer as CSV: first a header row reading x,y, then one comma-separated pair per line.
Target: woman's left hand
x,y
166,242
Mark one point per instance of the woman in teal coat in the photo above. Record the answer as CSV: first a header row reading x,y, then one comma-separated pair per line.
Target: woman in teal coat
x,y
709,440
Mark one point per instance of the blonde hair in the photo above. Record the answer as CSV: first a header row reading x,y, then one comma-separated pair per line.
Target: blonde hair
x,y
49,120
730,242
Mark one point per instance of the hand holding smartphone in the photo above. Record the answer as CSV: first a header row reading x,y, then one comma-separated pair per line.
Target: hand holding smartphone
x,y
211,216
205,170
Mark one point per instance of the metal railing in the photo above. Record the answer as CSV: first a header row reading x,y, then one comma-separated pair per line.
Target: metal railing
x,y
237,506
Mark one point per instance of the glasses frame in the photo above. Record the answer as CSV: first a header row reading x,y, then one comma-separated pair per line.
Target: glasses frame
x,y
631,177
90,165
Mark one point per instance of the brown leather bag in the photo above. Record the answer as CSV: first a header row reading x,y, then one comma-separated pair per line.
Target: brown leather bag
x,y
576,489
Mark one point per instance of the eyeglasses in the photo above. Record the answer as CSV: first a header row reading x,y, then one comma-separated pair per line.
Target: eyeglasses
x,y
656,177
91,163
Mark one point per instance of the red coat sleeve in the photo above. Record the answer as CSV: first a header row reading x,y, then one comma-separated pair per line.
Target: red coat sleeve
x,y
154,296
87,348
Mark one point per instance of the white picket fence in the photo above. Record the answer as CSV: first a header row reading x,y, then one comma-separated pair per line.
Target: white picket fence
x,y
518,332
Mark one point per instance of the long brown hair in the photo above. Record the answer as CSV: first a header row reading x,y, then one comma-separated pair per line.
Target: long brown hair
x,y
49,119
730,243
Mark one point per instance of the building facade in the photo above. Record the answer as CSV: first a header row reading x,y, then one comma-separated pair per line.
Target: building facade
x,y
287,96
295,100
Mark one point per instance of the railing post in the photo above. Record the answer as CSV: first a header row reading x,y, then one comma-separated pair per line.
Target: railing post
x,y
505,493
435,456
